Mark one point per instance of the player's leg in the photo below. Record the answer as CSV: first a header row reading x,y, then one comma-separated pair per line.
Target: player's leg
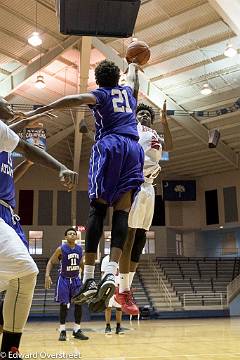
x,y
63,310
106,287
77,332
138,246
108,315
136,218
96,218
119,330
143,227
19,270
75,285
124,263
62,296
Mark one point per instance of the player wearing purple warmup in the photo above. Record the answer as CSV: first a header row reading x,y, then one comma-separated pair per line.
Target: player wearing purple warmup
x,y
69,283
115,172
18,271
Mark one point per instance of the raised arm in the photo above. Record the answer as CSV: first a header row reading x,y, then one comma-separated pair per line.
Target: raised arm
x,y
132,79
168,144
21,124
54,259
66,102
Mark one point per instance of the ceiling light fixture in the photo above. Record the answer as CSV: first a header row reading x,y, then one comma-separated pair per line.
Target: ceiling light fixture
x,y
230,51
40,83
206,90
35,39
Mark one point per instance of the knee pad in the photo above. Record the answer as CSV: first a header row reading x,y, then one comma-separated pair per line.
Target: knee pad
x,y
118,309
119,228
139,243
96,218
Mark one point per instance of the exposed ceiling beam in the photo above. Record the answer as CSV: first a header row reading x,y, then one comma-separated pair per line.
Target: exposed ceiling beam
x,y
229,11
11,83
19,15
220,117
21,40
60,135
157,97
11,56
179,21
85,54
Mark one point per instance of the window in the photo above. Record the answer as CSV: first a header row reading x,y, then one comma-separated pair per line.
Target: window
x,y
64,201
25,209
149,248
35,242
45,207
179,244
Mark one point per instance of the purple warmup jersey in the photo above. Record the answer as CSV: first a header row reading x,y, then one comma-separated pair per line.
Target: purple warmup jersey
x,y
70,261
115,112
7,188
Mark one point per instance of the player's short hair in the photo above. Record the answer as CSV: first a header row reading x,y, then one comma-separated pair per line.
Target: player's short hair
x,y
107,74
70,229
142,106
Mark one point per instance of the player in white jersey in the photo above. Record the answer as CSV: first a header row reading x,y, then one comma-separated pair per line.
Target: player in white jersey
x,y
18,271
112,303
142,210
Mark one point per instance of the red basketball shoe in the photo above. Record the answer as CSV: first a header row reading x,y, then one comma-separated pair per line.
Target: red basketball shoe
x,y
127,301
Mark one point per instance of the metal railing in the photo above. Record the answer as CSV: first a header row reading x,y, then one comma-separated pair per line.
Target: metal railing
x,y
160,283
203,297
233,288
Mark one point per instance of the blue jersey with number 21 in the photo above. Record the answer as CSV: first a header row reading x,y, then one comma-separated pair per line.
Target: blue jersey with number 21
x,y
115,112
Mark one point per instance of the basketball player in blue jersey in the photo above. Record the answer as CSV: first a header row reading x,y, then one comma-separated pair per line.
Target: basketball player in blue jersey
x,y
115,171
69,283
18,271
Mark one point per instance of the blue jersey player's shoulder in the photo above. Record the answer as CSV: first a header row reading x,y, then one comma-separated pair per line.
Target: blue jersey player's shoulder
x,y
101,95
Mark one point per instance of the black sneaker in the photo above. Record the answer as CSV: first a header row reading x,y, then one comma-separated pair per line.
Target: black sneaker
x,y
87,292
80,335
105,291
108,330
63,336
119,330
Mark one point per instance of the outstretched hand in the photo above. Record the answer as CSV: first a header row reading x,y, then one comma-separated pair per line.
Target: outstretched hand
x,y
34,118
69,178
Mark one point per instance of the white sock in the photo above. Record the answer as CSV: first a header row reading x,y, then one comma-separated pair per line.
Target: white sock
x,y
124,282
111,268
62,327
131,276
88,272
76,327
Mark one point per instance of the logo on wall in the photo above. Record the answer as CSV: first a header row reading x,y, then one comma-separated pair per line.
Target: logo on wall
x,y
180,189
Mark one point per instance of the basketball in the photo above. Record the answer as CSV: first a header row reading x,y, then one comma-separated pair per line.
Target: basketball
x,y
139,52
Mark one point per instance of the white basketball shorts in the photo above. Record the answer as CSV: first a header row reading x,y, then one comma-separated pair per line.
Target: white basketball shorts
x,y
15,260
142,210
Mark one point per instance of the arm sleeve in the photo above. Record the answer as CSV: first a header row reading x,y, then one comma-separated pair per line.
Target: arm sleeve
x,y
8,139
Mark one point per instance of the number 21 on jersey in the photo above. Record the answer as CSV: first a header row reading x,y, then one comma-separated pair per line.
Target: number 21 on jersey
x,y
121,101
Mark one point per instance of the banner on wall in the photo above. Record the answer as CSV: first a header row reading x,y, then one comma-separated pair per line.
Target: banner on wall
x,y
36,136
179,190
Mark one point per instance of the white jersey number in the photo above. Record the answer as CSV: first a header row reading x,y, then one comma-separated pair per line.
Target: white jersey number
x,y
73,262
121,102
